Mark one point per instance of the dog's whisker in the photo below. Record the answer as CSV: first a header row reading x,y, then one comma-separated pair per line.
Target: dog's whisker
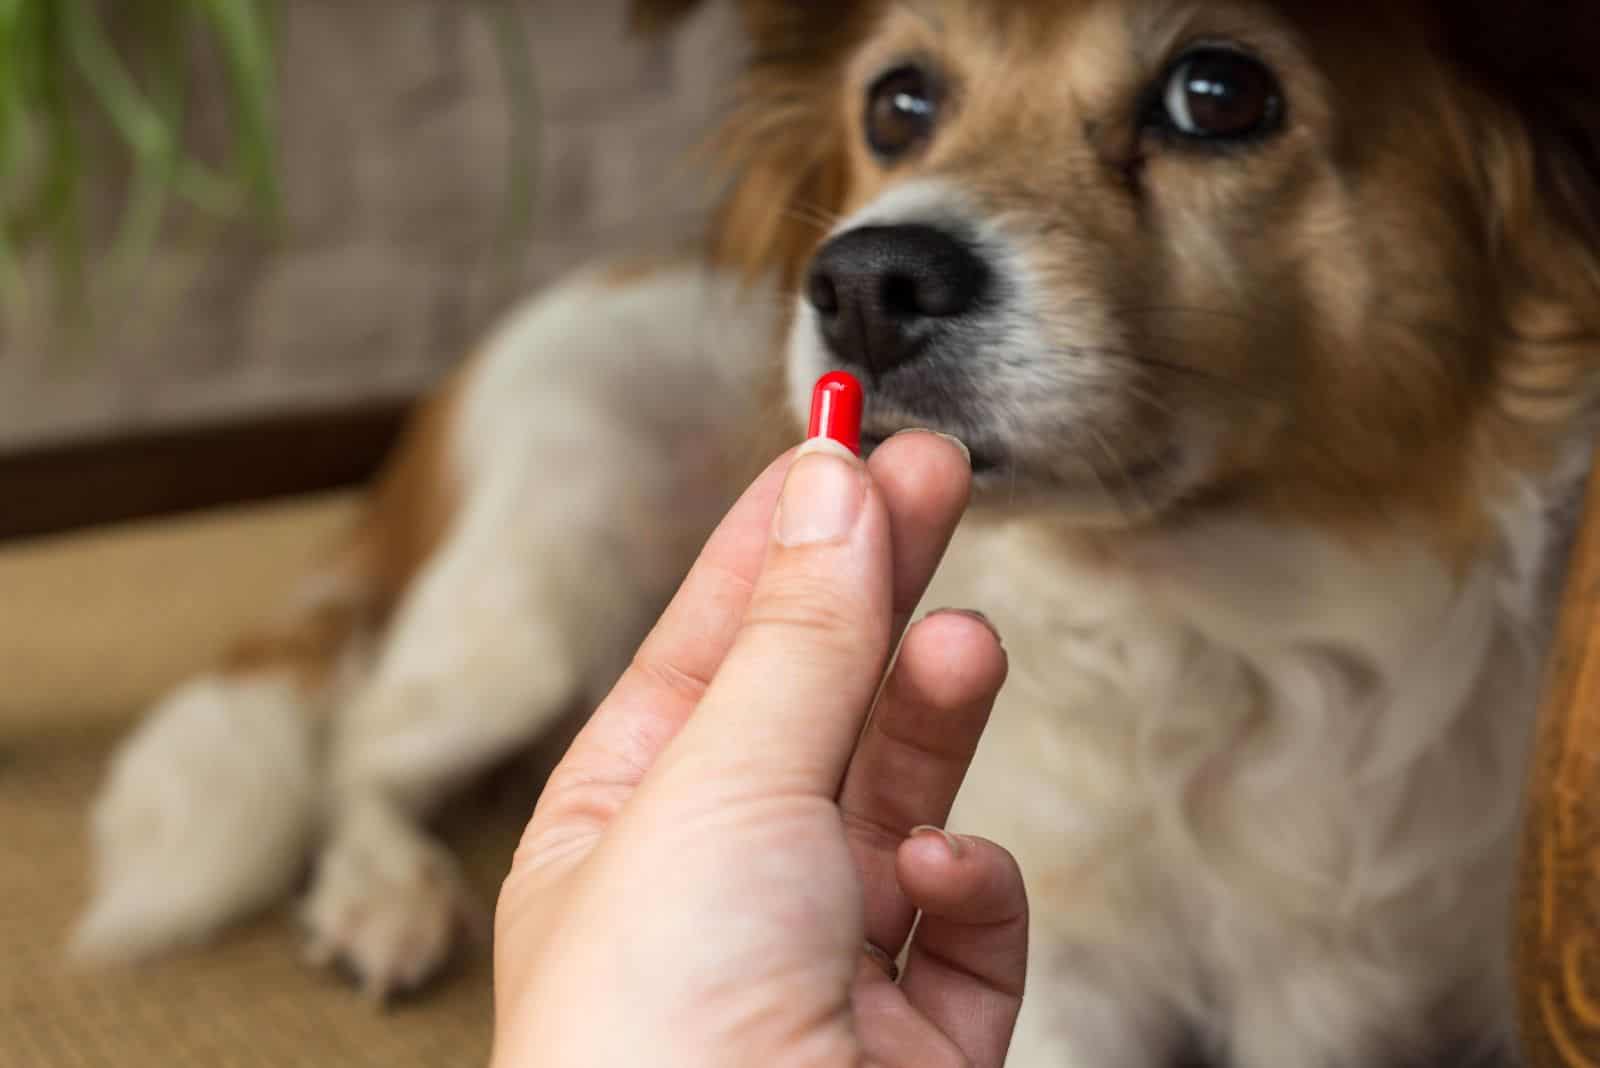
x,y
1144,312
1129,484
821,219
1094,469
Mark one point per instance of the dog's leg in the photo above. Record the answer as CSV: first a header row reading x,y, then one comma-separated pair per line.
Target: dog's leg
x,y
601,439
488,652
531,608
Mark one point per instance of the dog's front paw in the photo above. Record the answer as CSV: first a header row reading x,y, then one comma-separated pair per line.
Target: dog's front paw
x,y
387,903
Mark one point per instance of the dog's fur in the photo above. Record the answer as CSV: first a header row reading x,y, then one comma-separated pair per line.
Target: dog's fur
x,y
1283,438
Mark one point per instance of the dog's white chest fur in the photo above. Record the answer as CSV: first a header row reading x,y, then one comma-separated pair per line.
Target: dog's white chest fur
x,y
1256,778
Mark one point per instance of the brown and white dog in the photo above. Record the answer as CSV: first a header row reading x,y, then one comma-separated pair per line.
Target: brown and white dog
x,y
1273,327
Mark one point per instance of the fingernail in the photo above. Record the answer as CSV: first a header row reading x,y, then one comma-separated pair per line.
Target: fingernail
x,y
880,957
966,453
822,496
956,846
972,613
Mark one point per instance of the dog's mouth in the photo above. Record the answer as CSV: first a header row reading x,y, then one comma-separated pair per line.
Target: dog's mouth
x,y
1088,469
1094,482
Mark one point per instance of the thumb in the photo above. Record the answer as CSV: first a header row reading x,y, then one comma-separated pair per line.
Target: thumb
x,y
788,703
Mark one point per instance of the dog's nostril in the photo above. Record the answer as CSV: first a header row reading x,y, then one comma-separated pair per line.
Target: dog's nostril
x,y
930,295
902,297
823,293
945,293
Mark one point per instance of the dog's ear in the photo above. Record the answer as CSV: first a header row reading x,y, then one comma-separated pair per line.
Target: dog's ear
x,y
1542,63
781,147
1536,126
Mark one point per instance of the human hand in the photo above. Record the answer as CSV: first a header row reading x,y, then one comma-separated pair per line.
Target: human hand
x,y
706,864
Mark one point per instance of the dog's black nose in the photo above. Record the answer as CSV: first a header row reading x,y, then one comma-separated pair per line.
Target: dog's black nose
x,y
878,290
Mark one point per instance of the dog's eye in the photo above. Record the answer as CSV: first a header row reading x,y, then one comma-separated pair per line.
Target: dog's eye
x,y
1218,94
902,110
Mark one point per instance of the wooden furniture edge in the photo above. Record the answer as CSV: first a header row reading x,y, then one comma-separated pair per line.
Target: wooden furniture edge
x,y
54,489
1558,897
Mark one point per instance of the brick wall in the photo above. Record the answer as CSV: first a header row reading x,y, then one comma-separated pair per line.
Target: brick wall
x,y
396,129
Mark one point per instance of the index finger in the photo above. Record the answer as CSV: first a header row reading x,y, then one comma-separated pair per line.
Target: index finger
x,y
674,665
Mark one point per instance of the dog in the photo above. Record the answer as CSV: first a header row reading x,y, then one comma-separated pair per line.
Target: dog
x,y
1273,329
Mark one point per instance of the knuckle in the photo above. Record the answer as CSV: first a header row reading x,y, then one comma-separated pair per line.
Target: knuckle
x,y
949,1057
812,608
875,830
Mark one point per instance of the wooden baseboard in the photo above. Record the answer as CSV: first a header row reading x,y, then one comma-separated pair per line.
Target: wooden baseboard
x,y
55,489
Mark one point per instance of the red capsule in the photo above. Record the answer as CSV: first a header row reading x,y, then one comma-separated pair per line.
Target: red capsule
x,y
836,410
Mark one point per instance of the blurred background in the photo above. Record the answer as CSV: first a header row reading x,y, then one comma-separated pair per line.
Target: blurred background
x,y
237,239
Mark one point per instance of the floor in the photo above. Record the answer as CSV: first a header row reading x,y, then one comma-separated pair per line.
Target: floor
x,y
92,628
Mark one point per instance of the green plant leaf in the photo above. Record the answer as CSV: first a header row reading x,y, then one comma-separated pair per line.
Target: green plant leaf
x,y
245,39
65,76
58,66
522,96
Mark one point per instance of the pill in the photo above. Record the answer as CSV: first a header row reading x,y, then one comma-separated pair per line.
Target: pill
x,y
836,410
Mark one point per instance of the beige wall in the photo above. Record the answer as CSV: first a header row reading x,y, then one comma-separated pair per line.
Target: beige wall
x,y
396,129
